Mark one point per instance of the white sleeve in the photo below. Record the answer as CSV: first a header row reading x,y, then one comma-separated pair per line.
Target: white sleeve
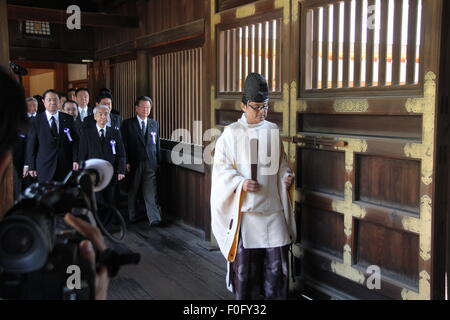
x,y
224,168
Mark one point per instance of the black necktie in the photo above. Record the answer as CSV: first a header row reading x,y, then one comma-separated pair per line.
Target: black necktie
x,y
102,139
53,127
144,132
143,128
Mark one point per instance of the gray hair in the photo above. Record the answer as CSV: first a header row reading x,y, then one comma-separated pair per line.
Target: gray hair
x,y
29,99
101,107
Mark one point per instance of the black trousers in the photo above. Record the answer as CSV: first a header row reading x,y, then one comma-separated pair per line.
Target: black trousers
x,y
61,172
144,179
17,184
106,197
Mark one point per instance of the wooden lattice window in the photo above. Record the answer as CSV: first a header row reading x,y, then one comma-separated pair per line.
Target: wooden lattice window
x,y
363,44
124,87
38,28
254,47
177,93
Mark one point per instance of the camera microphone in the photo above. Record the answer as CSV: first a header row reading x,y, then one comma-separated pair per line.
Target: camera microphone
x,y
100,172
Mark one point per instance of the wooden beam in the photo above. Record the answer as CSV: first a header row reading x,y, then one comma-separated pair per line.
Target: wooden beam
x,y
56,16
47,54
178,34
117,50
187,31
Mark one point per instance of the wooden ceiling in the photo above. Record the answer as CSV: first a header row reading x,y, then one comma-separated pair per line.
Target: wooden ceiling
x,y
87,5
94,12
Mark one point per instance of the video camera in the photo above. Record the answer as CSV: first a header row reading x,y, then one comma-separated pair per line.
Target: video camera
x,y
38,249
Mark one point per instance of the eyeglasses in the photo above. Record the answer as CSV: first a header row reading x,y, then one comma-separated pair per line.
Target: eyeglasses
x,y
264,107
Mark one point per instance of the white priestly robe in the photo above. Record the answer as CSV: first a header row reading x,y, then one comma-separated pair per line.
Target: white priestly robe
x,y
265,218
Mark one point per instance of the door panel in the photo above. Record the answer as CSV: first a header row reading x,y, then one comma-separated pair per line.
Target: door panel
x,y
358,123
364,144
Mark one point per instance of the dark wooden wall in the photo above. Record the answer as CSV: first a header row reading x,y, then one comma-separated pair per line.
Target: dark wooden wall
x,y
64,45
154,16
166,14
108,37
184,196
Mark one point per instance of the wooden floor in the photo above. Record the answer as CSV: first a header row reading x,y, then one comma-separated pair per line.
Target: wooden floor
x,y
175,264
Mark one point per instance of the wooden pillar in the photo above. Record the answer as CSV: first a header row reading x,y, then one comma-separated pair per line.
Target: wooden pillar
x,y
92,80
142,73
107,73
6,184
4,38
61,76
209,76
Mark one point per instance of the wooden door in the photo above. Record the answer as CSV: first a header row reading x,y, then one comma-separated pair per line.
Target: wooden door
x,y
363,112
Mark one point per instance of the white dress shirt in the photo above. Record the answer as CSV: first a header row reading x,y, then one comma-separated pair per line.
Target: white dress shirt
x,y
83,112
98,130
49,116
31,115
140,122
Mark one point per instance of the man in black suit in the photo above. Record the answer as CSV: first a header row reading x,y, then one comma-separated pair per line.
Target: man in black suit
x,y
115,121
82,98
71,94
32,107
103,142
71,108
21,178
142,146
19,163
52,146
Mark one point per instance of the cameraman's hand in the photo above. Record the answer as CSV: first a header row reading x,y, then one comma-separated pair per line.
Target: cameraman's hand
x,y
32,173
87,251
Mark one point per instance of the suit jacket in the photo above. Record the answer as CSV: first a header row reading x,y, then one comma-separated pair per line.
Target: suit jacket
x,y
44,151
20,147
19,153
78,126
116,121
90,113
90,147
139,147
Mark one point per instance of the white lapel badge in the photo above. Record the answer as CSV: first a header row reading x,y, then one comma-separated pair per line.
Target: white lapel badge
x,y
113,146
67,132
